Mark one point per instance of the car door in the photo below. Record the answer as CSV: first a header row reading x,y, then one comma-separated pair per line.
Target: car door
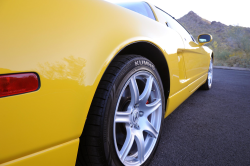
x,y
192,52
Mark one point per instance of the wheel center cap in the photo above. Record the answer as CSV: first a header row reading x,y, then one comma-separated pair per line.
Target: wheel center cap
x,y
135,116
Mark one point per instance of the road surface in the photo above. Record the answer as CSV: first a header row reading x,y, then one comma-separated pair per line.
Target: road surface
x,y
210,127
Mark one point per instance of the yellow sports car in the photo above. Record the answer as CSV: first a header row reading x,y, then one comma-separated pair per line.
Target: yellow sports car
x,y
88,82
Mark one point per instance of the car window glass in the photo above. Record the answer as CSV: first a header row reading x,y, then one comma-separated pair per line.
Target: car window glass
x,y
139,7
193,38
172,23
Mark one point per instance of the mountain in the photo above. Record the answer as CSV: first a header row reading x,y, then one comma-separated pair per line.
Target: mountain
x,y
231,44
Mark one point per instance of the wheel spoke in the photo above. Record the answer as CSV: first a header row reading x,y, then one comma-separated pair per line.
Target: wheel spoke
x,y
147,90
134,92
210,73
140,131
122,117
127,144
150,108
140,145
149,128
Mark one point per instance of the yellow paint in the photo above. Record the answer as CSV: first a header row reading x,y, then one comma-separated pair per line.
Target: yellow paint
x,y
175,100
70,44
63,155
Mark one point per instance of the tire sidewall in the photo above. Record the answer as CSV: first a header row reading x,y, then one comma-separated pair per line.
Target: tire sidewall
x,y
131,67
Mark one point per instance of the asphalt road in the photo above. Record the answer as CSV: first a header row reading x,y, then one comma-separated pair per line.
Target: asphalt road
x,y
210,127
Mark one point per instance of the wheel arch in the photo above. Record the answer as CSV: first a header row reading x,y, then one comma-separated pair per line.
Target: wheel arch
x,y
154,54
145,49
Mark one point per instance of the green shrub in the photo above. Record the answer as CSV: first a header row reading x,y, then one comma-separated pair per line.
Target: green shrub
x,y
237,61
221,55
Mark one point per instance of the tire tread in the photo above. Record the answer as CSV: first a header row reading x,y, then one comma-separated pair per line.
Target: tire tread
x,y
91,152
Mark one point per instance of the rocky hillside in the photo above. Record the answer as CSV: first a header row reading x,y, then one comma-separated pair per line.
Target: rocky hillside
x,y
231,44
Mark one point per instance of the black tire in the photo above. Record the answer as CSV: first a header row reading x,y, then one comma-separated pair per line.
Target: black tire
x,y
97,142
208,84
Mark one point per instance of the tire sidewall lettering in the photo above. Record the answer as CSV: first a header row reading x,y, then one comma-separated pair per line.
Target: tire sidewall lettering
x,y
138,64
144,63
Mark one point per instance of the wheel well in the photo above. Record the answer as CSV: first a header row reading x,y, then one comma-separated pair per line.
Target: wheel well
x,y
152,53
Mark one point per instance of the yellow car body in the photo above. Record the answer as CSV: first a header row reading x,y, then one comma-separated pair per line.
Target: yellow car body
x,y
70,44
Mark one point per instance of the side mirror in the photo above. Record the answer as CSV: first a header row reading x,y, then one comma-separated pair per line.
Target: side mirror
x,y
204,38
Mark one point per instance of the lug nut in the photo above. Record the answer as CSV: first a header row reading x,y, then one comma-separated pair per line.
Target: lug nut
x,y
137,126
141,113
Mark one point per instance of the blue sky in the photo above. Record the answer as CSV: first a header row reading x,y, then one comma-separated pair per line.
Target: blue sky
x,y
228,12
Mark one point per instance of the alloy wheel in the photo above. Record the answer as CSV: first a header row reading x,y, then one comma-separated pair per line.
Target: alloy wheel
x,y
137,118
210,74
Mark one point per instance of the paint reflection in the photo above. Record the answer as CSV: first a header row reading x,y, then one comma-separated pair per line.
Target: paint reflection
x,y
70,68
